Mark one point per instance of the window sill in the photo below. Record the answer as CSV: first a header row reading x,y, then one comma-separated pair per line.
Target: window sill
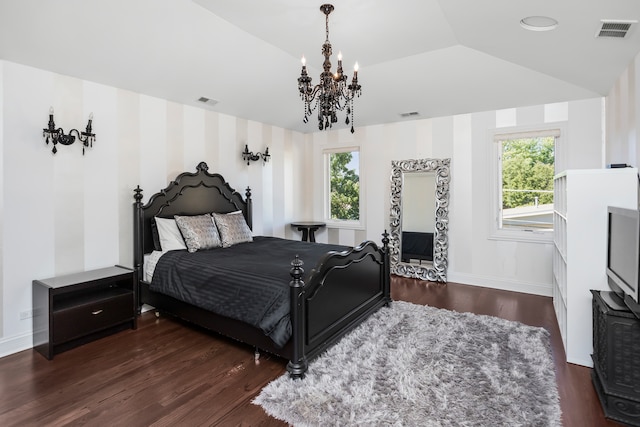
x,y
349,225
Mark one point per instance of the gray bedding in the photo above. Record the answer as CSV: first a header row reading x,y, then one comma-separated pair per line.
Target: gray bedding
x,y
247,282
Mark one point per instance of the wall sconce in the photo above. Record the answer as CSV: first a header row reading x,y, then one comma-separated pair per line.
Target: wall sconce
x,y
57,136
249,156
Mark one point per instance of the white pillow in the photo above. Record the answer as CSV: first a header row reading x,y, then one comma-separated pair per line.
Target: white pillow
x,y
169,234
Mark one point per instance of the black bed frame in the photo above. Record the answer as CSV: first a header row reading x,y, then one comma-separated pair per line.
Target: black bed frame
x,y
342,289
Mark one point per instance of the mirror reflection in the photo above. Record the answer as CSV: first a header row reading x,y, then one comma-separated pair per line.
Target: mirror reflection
x,y
419,218
418,200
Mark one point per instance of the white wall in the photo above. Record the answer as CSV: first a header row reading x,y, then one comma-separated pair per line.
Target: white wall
x,y
623,117
67,212
474,258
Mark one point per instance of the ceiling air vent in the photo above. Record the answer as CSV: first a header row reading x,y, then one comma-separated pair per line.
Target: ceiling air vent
x,y
208,101
614,28
410,114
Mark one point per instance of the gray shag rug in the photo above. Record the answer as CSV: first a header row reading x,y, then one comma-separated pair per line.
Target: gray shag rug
x,y
414,365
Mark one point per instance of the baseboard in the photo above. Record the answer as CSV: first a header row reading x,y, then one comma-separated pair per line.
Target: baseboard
x,y
544,289
579,361
15,344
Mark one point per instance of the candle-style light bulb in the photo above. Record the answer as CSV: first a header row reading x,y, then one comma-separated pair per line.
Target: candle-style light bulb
x,y
304,61
355,67
89,129
339,55
52,125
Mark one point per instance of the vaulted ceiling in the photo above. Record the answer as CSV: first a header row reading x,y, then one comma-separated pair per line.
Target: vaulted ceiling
x,y
433,57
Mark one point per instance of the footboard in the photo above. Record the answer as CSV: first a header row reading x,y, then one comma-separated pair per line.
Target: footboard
x,y
342,290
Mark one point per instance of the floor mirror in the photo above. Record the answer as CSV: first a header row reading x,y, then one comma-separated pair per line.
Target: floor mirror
x,y
419,220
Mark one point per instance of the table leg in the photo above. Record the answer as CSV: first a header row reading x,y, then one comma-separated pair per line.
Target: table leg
x,y
312,234
305,234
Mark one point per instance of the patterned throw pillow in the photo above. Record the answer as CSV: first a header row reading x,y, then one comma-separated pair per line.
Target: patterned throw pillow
x,y
233,228
199,232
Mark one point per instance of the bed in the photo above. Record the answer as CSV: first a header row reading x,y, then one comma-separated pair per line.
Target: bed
x,y
338,290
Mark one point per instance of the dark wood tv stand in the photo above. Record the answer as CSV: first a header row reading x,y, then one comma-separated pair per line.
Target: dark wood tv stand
x,y
616,359
77,308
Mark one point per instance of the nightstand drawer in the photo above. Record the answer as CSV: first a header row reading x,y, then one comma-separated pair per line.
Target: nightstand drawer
x,y
91,316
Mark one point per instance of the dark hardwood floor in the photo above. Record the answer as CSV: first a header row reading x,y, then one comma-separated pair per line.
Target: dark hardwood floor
x,y
168,374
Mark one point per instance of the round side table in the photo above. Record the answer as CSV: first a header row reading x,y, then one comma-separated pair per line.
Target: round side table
x,y
308,229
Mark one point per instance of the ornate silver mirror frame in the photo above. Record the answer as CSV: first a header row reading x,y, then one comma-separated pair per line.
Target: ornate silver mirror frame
x,y
438,271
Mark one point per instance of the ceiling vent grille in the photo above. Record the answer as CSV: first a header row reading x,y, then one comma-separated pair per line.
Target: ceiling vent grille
x,y
610,28
208,101
410,114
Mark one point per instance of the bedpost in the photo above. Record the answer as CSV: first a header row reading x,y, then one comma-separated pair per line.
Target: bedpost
x,y
297,366
249,217
386,285
137,243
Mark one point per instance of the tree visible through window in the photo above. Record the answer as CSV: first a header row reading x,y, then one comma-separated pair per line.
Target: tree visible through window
x,y
527,166
344,186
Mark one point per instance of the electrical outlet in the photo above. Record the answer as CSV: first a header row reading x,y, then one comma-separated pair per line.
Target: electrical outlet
x,y
27,314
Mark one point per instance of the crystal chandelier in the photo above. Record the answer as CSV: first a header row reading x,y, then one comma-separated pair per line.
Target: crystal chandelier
x,y
332,94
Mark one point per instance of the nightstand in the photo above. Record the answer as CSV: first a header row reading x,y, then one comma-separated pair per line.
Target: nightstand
x,y
74,309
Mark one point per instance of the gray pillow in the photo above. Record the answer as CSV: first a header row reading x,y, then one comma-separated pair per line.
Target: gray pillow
x,y
199,232
233,228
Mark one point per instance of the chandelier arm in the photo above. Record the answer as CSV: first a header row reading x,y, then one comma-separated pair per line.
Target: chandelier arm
x,y
313,94
63,139
82,137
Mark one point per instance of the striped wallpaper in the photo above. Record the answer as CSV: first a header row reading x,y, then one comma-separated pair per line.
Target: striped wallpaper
x,y
68,212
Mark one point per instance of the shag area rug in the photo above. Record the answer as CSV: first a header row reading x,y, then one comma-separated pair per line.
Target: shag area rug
x,y
414,365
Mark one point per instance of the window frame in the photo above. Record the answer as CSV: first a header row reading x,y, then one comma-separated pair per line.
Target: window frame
x,y
337,223
496,232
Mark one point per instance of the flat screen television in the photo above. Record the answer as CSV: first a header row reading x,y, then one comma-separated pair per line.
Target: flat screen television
x,y
623,257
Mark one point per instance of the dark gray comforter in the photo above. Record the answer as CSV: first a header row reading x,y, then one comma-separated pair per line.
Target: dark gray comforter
x,y
247,282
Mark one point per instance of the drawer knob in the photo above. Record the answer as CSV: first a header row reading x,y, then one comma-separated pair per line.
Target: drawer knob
x,y
96,312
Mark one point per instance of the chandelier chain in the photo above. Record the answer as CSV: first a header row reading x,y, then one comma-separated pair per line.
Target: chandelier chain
x,y
326,26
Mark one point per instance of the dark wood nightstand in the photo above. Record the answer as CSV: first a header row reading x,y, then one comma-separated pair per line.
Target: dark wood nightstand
x,y
75,309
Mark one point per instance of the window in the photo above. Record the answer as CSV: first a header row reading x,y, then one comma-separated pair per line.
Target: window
x,y
524,181
343,190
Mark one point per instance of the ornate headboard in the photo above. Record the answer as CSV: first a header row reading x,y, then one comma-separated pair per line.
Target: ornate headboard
x,y
189,194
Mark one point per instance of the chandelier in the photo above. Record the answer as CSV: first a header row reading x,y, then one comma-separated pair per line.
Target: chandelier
x,y
332,94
